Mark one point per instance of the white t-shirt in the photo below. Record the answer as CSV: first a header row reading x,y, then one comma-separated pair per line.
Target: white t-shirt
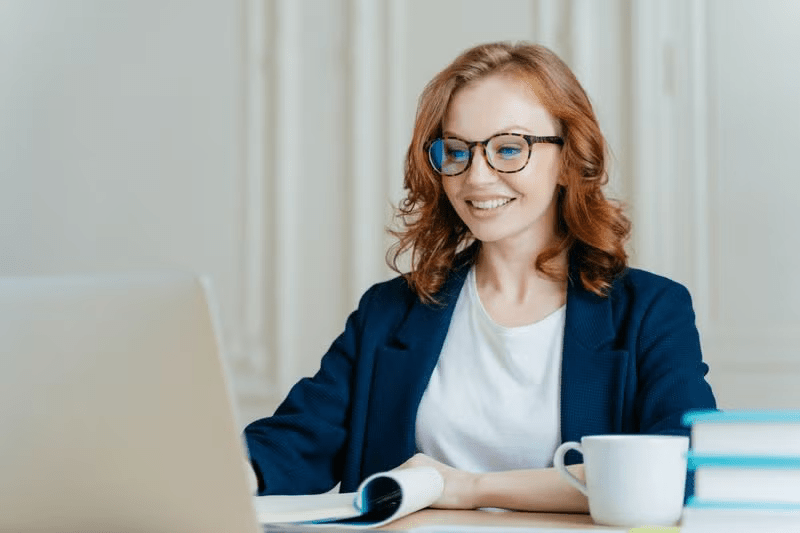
x,y
492,402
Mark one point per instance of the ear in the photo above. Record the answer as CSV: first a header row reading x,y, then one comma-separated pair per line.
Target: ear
x,y
562,179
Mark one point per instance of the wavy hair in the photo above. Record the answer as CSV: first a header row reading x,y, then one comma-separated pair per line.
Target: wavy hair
x,y
590,228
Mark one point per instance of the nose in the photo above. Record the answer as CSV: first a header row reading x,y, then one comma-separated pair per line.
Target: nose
x,y
480,171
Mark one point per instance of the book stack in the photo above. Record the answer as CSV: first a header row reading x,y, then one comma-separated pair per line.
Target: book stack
x,y
747,472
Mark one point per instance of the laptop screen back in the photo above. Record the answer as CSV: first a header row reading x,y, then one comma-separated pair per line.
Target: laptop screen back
x,y
114,409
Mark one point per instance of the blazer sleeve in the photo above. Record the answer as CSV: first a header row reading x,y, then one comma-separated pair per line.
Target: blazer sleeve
x,y
299,449
669,364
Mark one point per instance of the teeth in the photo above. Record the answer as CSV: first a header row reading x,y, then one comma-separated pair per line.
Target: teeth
x,y
490,204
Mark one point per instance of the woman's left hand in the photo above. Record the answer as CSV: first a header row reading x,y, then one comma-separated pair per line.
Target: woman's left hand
x,y
459,486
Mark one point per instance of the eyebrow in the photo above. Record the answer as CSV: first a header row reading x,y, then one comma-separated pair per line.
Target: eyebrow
x,y
507,129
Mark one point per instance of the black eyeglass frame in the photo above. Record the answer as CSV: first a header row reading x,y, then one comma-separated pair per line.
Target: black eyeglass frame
x,y
531,139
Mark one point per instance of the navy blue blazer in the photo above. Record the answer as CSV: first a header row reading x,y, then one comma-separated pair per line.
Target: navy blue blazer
x,y
631,363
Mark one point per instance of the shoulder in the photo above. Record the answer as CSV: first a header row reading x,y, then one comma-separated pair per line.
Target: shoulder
x,y
396,294
639,296
388,298
640,285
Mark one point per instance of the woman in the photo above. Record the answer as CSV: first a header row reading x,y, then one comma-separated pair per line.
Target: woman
x,y
520,325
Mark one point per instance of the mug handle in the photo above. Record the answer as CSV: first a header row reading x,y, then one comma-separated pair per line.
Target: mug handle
x,y
558,462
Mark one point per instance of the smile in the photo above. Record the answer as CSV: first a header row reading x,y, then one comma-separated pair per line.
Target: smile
x,y
489,204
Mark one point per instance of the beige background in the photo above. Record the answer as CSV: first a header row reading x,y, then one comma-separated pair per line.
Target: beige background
x,y
229,138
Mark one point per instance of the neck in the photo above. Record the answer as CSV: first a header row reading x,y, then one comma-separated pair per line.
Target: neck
x,y
509,269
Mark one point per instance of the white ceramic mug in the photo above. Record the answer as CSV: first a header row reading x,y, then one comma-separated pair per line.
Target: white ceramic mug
x,y
631,480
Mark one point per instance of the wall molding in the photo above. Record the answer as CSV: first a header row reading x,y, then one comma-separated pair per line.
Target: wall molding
x,y
400,115
585,41
701,176
286,174
255,269
266,352
246,343
648,190
268,308
670,102
367,79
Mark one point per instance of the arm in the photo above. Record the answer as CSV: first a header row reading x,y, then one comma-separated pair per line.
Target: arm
x,y
298,450
671,371
542,490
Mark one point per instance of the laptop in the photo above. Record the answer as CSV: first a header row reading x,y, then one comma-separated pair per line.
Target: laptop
x,y
115,412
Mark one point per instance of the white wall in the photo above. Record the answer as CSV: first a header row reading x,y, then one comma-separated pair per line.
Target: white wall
x,y
121,139
753,323
261,142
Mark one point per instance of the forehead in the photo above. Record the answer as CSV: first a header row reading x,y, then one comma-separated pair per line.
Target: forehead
x,y
494,104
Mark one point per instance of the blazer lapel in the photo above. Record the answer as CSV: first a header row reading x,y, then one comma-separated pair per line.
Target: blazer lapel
x,y
402,370
593,373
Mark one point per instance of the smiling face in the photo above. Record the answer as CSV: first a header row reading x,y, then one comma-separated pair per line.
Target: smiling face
x,y
504,208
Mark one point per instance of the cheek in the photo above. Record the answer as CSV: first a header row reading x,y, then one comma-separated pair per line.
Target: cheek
x,y
543,176
525,181
550,169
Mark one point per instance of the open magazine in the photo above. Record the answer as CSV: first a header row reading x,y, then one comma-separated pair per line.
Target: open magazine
x,y
380,499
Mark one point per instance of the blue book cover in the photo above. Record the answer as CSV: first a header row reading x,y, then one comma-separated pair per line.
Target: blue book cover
x,y
765,416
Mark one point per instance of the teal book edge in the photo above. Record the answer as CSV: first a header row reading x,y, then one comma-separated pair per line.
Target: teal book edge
x,y
695,503
773,462
767,416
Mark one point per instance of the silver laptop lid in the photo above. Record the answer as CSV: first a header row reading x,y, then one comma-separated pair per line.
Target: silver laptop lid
x,y
114,409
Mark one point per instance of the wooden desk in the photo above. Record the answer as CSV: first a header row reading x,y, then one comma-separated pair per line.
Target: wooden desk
x,y
504,519
430,517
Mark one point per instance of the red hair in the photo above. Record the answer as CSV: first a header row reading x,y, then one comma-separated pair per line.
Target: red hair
x,y
590,228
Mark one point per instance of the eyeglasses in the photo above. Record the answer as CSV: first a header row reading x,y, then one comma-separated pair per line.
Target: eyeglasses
x,y
505,152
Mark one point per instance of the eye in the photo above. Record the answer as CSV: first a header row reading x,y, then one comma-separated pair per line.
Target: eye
x,y
457,154
509,151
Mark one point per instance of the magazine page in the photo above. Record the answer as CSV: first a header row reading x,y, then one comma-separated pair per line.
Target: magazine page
x,y
311,508
387,496
380,499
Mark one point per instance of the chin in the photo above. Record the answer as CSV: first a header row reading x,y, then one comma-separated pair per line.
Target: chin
x,y
488,236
